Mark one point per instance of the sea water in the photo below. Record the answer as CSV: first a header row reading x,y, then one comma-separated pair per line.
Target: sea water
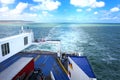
x,y
99,42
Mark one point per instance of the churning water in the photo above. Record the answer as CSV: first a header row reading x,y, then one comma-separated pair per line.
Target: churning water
x,y
100,43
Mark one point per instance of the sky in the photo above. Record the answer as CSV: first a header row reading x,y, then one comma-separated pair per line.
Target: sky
x,y
80,11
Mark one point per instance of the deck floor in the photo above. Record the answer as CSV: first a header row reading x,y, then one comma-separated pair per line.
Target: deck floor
x,y
49,63
46,62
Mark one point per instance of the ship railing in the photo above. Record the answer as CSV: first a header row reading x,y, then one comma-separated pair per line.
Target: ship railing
x,y
26,31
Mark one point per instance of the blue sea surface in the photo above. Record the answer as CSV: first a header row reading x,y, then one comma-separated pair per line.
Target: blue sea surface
x,y
99,42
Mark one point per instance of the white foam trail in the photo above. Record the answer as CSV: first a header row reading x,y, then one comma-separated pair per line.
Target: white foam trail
x,y
70,36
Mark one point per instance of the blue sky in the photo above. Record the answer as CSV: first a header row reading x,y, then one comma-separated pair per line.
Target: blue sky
x,y
82,11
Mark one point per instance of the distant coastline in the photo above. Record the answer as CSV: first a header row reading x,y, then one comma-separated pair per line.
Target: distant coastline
x,y
14,21
51,24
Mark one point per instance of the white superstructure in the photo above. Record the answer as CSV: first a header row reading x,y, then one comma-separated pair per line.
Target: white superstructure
x,y
80,69
14,44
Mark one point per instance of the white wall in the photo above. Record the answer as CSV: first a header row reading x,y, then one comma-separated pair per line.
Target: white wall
x,y
77,73
16,44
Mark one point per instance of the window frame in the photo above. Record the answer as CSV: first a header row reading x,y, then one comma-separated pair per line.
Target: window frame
x,y
5,49
26,40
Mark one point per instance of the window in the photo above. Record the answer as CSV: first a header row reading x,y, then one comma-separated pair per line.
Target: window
x,y
25,40
5,49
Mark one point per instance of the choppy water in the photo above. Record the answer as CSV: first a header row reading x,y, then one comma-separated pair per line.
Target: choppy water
x,y
99,42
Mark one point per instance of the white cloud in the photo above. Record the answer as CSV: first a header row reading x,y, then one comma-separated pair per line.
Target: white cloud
x,y
79,10
19,8
49,5
87,3
99,4
24,16
114,9
18,13
15,14
89,9
7,1
45,13
38,0
28,16
96,12
3,9
109,16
